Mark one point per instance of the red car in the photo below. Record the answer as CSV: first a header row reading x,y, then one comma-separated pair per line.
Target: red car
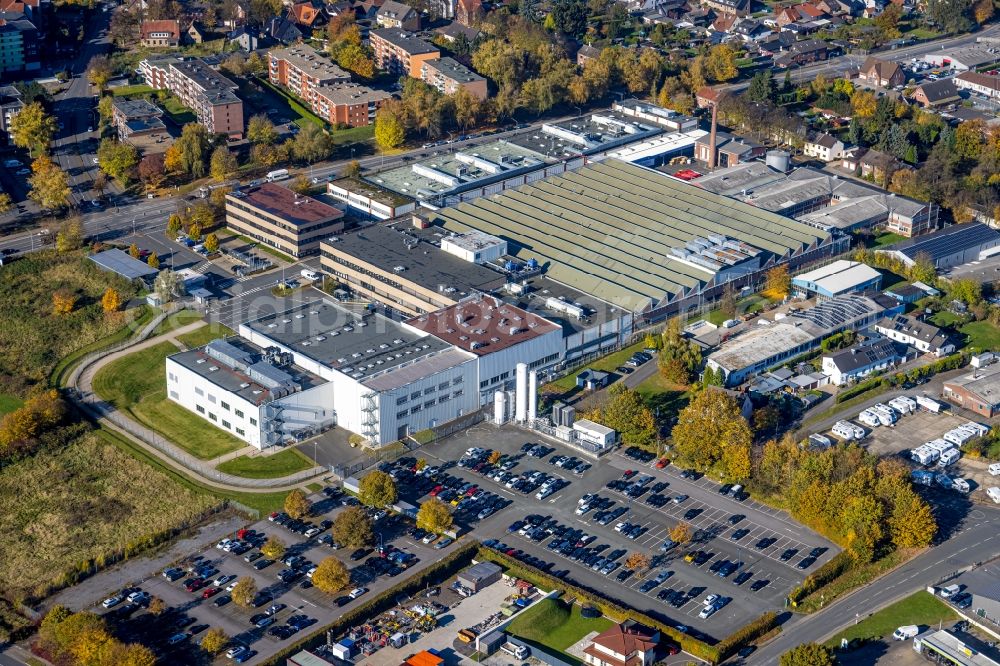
x,y
662,462
629,473
209,592
196,584
471,492
437,489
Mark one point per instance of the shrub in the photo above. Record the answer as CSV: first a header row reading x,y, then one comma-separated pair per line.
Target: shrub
x,y
837,565
747,634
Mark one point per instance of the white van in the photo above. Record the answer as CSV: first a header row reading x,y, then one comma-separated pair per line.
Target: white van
x,y
994,494
312,276
905,632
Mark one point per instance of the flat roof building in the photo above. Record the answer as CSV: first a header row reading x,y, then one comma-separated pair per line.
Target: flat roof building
x,y
405,269
945,647
766,345
348,103
593,134
209,94
123,264
838,278
978,392
370,200
400,52
949,247
671,242
301,68
140,123
280,218
447,75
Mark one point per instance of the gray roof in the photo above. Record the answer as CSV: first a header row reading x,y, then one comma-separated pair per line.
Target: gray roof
x,y
216,88
937,91
388,247
312,62
404,40
452,69
346,340
610,229
914,328
136,108
983,582
123,264
865,355
396,10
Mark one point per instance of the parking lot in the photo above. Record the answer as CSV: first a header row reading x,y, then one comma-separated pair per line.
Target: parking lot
x,y
195,611
714,518
912,430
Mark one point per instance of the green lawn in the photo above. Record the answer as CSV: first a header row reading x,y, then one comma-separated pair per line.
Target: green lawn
x,y
136,384
180,114
982,335
261,246
606,364
353,135
204,335
944,318
921,608
304,114
553,625
662,397
273,466
176,320
9,402
130,91
887,238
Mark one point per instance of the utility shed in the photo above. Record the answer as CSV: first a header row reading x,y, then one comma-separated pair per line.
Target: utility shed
x,y
122,263
480,576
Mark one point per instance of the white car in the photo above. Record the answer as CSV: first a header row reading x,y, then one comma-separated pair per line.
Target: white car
x,y
137,597
235,651
222,544
311,532
710,599
95,160
357,592
231,586
222,580
112,601
707,612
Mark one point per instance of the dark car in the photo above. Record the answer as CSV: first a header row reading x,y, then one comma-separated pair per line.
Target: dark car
x,y
816,552
739,534
222,600
742,578
691,514
764,543
759,585
342,601
360,554
736,518
806,563
788,554
262,564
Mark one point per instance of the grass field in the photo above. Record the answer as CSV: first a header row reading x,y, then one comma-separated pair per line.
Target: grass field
x,y
353,135
267,249
79,504
887,238
8,403
296,107
265,502
180,114
176,320
944,318
33,339
136,384
131,91
204,335
982,335
920,608
663,397
606,364
554,625
272,466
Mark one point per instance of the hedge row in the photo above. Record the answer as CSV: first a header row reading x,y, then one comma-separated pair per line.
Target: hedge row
x,y
859,388
436,573
747,634
609,608
833,569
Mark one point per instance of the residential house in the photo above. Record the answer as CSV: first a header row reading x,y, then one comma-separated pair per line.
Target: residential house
x,y
851,160
936,93
469,12
245,37
587,53
626,644
729,150
918,334
10,105
724,23
281,29
455,31
751,30
881,73
982,84
140,123
737,7
448,75
239,16
707,97
400,52
878,166
805,52
158,34
859,361
306,16
195,33
978,392
394,14
826,147
786,15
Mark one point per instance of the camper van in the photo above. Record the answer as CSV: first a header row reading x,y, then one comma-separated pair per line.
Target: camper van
x,y
949,457
924,455
994,494
994,469
930,405
961,485
903,404
847,430
870,418
886,414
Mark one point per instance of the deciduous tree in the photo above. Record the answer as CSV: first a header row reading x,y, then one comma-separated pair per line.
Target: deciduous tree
x,y
389,130
377,489
244,592
273,548
151,171
212,243
637,561
708,426
260,130
49,185
70,235
223,164
63,301
331,576
296,504
681,533
157,606
625,412
434,516
214,641
353,528
32,128
808,654
111,301
118,159
311,144
778,283
153,261
100,71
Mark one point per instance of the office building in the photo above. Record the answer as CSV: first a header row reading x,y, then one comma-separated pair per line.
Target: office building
x,y
978,392
447,75
944,647
280,218
401,53
369,200
920,335
855,363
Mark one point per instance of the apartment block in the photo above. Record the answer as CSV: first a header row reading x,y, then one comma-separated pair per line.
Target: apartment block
x,y
301,69
18,46
448,75
10,105
280,218
399,52
348,103
209,94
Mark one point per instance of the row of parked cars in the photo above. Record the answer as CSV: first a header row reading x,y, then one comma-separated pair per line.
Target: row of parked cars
x,y
470,502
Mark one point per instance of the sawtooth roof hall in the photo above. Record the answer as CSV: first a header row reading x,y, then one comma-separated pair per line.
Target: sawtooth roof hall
x,y
633,237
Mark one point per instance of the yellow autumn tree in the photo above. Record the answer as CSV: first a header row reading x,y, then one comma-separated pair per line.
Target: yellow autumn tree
x,y
111,301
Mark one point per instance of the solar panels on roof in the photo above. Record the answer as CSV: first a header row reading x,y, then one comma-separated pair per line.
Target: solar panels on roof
x,y
950,240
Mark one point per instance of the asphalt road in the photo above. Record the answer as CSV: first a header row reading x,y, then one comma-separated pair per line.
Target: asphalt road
x,y
835,67
977,541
